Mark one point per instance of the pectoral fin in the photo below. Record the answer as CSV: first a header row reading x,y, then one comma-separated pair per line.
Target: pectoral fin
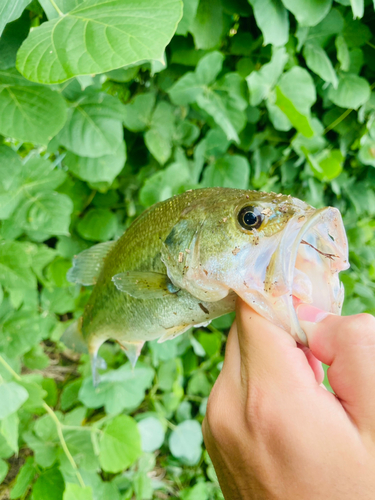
x,y
173,332
144,285
88,264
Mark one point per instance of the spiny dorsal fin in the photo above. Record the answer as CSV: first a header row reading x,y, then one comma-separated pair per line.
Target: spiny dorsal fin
x,y
88,264
144,285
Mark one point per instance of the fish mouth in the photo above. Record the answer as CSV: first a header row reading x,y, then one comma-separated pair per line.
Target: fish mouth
x,y
304,269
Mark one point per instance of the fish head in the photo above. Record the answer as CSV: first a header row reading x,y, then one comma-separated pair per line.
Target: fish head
x,y
274,251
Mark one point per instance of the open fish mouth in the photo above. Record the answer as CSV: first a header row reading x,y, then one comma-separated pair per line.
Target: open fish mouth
x,y
304,269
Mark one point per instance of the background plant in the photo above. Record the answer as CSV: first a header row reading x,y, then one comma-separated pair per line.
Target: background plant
x,y
98,120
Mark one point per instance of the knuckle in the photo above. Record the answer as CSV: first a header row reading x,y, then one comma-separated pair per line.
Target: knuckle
x,y
360,329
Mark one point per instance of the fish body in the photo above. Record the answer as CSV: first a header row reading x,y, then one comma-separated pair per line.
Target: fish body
x,y
184,261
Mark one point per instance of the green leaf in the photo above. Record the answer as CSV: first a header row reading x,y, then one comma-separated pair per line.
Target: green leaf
x,y
120,444
310,12
93,128
159,138
119,389
49,485
152,434
102,169
358,8
46,212
297,119
229,171
318,61
24,479
137,114
298,86
98,36
366,153
98,224
342,53
327,165
15,260
10,169
190,10
25,110
76,492
352,92
12,396
21,332
261,82
9,430
185,442
272,19
3,470
11,10
207,26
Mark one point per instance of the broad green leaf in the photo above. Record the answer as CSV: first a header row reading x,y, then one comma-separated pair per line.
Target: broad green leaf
x,y
49,485
200,491
11,10
137,114
352,92
366,153
25,110
10,168
101,169
76,492
64,6
23,479
46,212
120,444
98,36
190,10
15,261
185,442
298,86
261,82
119,389
152,434
159,138
98,224
229,171
45,452
93,127
310,12
80,445
21,332
9,430
297,119
12,396
327,165
3,470
318,61
342,53
358,8
207,26
272,19
209,67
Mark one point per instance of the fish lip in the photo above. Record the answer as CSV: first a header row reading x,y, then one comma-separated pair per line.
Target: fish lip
x,y
333,217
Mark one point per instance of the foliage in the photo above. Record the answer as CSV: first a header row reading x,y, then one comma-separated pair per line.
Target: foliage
x,y
99,121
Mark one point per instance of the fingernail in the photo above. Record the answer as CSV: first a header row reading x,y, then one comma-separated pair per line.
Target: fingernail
x,y
312,314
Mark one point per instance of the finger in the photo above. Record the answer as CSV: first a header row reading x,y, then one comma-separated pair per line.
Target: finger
x,y
347,345
268,353
314,363
232,361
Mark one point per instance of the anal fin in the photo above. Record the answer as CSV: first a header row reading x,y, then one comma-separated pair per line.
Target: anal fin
x,y
132,350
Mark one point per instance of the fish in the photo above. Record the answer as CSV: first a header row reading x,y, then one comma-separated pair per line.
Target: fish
x,y
184,261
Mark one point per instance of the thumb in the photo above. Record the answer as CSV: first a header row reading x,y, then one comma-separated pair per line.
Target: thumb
x,y
347,345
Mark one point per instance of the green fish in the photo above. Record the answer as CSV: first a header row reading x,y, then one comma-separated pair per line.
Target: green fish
x,y
184,261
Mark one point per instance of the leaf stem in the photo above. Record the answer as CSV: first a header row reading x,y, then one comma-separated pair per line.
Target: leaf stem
x,y
56,8
338,120
58,424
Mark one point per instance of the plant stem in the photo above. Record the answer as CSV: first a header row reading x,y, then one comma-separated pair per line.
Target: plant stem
x,y
58,424
338,120
56,7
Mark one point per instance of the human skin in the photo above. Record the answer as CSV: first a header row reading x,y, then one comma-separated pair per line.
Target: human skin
x,y
271,428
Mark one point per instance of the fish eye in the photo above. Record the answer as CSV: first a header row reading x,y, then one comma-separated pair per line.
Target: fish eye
x,y
250,218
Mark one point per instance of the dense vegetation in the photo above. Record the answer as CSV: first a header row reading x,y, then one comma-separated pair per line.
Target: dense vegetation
x,y
97,123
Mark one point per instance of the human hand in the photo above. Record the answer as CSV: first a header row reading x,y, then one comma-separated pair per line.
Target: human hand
x,y
273,431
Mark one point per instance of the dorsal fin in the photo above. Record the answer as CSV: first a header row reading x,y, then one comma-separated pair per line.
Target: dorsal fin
x,y
88,264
